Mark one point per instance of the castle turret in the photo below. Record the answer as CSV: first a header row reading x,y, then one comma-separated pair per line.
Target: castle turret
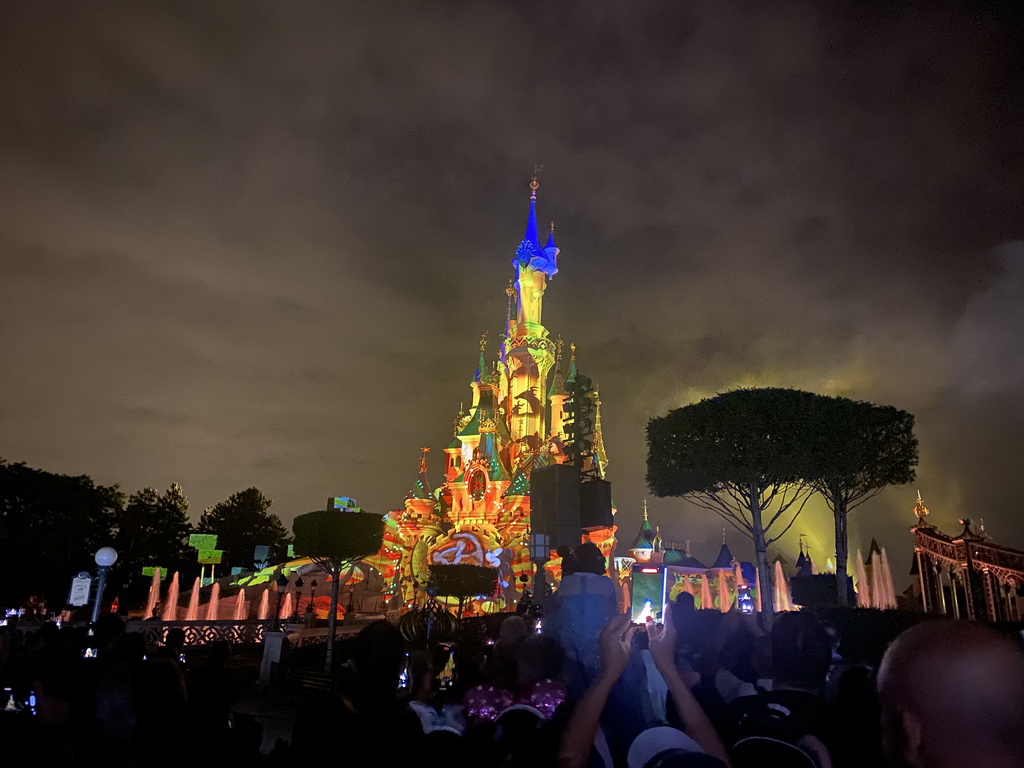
x,y
643,545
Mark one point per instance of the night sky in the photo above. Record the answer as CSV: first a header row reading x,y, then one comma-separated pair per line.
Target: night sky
x,y
256,244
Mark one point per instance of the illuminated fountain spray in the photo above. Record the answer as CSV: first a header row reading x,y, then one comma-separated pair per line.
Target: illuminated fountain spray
x,y
286,607
863,589
723,592
154,593
264,612
193,603
240,605
706,601
214,604
782,601
887,585
171,604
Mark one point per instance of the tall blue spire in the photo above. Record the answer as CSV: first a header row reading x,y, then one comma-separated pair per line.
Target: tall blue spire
x,y
529,249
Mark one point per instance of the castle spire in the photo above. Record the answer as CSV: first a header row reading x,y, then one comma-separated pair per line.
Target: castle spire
x,y
481,365
529,249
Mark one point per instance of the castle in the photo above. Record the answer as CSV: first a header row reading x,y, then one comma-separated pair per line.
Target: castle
x,y
517,422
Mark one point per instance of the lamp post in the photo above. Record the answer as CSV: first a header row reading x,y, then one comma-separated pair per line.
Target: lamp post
x,y
540,551
298,596
105,557
282,587
312,597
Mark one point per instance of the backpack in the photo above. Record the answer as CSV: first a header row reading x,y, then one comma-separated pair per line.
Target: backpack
x,y
768,734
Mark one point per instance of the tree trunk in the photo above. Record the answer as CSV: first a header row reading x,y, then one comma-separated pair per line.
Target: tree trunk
x,y
332,617
842,545
761,556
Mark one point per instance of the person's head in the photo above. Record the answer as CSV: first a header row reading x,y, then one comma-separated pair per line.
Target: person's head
x,y
589,559
109,627
801,652
568,560
140,702
175,638
377,655
220,652
952,693
665,747
538,657
684,605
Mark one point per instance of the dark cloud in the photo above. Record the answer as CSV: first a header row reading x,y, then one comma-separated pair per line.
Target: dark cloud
x,y
256,246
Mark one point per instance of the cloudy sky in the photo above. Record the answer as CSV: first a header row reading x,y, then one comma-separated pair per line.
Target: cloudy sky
x,y
255,244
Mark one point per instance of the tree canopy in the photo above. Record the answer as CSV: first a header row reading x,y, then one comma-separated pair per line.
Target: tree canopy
x,y
335,540
50,528
741,454
152,529
861,449
755,455
242,522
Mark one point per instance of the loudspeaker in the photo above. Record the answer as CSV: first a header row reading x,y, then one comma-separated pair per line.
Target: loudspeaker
x,y
555,503
819,589
596,504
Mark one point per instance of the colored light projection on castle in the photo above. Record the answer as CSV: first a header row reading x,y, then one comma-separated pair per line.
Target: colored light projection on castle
x,y
480,514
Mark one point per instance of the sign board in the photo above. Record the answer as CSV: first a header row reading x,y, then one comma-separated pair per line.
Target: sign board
x,y
261,553
343,503
203,541
80,585
236,570
149,570
291,550
210,556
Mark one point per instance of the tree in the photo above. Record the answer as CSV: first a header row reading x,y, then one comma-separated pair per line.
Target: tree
x,y
50,527
152,530
335,540
861,449
741,455
242,522
462,580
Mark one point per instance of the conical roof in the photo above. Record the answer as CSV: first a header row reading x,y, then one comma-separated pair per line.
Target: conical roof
x,y
725,559
872,550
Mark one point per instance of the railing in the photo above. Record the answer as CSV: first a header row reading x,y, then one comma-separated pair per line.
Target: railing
x,y
201,632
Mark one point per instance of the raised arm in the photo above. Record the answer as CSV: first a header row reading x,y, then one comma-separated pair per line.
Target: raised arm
x,y
581,730
696,722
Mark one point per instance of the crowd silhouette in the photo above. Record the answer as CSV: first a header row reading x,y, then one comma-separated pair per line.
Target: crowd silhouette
x,y
591,689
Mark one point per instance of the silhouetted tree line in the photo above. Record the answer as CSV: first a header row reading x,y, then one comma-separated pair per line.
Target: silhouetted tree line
x,y
51,525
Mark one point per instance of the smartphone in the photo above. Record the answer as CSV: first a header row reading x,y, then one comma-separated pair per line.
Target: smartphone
x,y
647,593
743,599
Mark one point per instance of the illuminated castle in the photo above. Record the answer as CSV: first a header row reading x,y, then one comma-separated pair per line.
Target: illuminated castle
x,y
480,513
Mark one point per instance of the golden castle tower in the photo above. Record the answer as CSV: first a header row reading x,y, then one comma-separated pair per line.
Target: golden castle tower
x,y
480,513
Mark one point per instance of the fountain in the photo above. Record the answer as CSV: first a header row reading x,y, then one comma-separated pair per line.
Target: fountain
x,y
193,602
863,591
286,607
214,604
723,592
706,601
154,594
687,584
264,612
171,604
757,586
240,606
782,601
887,585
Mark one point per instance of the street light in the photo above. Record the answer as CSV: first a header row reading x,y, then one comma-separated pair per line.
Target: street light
x,y
312,597
540,552
105,557
298,596
282,587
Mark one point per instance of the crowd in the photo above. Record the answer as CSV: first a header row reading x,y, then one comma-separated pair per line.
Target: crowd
x,y
700,688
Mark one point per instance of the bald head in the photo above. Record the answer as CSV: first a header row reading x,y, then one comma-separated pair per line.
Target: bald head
x,y
950,692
